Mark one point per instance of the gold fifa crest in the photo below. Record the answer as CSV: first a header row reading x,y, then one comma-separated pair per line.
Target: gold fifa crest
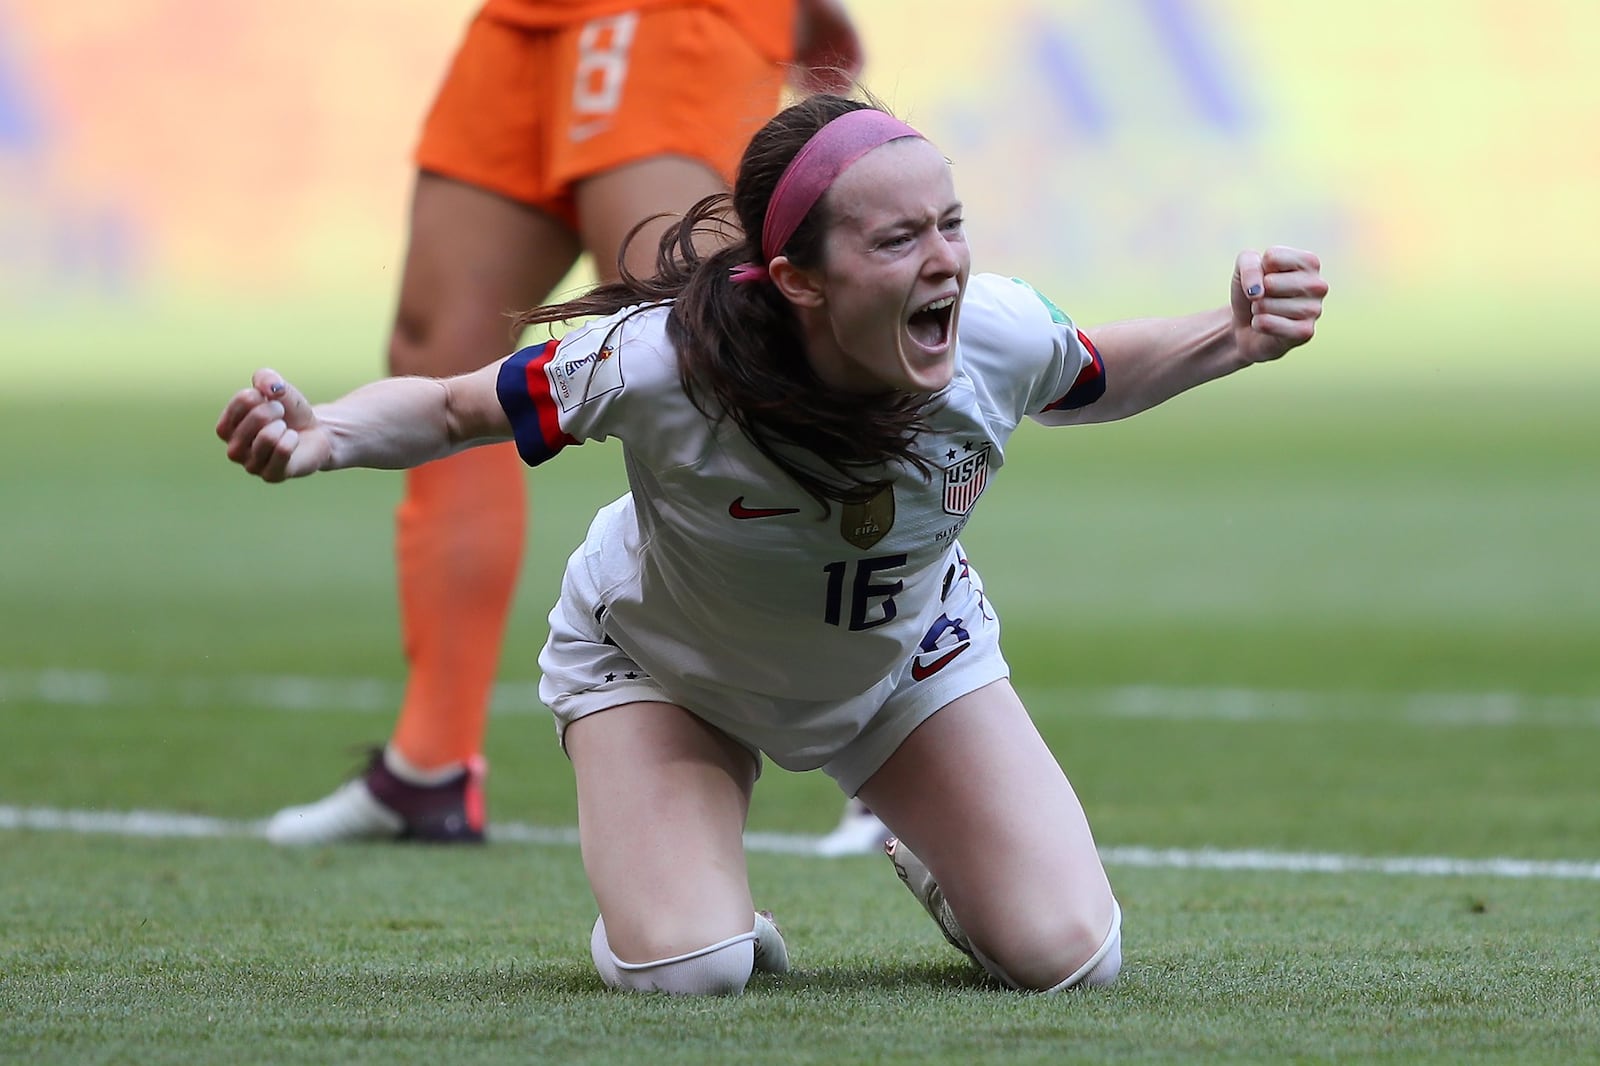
x,y
864,524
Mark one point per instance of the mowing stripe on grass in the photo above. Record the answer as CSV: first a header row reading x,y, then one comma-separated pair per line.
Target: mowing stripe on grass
x,y
165,824
93,688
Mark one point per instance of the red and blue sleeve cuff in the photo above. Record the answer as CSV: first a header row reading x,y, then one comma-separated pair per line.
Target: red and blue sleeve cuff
x,y
1090,384
524,394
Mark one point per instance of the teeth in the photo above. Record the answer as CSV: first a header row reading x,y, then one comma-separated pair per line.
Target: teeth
x,y
939,305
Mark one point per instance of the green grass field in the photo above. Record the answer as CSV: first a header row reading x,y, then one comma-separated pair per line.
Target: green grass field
x,y
1290,637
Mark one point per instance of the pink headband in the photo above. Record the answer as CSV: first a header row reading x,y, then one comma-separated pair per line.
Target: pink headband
x,y
808,175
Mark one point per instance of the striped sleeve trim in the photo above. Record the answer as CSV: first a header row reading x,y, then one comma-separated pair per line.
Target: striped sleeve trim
x,y
524,393
1090,383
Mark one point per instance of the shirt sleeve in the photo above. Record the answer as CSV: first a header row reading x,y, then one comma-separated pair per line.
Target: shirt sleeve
x,y
1075,375
616,376
1086,388
1028,356
526,398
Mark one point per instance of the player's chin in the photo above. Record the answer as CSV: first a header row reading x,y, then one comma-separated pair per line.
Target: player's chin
x,y
928,372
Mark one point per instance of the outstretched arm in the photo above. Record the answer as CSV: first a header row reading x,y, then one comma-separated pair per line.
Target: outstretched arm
x,y
275,433
1275,301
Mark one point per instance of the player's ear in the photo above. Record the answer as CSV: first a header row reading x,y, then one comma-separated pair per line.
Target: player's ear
x,y
799,286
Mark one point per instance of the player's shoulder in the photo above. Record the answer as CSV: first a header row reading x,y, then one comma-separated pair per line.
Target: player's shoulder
x,y
1001,308
609,363
1003,317
629,349
640,327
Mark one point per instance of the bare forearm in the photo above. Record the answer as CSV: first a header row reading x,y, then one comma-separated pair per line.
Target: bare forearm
x,y
1274,301
1150,360
407,421
388,425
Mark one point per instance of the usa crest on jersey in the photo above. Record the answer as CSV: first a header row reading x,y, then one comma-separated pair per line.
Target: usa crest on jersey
x,y
964,481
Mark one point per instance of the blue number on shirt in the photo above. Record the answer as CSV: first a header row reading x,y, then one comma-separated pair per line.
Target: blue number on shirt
x,y
863,591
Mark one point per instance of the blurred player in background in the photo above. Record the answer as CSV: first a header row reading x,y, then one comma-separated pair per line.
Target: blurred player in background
x,y
561,125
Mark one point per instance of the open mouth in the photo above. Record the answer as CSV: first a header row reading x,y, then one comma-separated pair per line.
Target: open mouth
x,y
929,324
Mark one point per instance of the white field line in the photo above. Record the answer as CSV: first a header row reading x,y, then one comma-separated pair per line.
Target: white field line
x,y
273,692
93,688
163,824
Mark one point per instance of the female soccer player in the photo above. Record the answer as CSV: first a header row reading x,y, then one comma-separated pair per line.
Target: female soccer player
x,y
808,417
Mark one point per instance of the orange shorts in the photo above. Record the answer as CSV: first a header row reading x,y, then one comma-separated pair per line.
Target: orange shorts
x,y
528,113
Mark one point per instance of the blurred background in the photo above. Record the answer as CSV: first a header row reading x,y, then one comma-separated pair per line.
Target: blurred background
x,y
174,164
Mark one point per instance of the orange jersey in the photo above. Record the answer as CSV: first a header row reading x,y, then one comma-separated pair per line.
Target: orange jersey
x,y
769,24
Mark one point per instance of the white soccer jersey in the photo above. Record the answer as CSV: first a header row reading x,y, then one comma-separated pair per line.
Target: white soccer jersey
x,y
717,572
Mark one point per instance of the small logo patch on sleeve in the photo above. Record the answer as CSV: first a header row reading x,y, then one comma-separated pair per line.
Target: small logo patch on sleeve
x,y
577,379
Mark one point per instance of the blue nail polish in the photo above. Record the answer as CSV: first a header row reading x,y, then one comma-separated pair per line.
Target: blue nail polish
x,y
277,389
1254,290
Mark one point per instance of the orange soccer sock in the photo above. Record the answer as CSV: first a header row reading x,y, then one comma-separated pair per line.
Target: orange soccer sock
x,y
458,547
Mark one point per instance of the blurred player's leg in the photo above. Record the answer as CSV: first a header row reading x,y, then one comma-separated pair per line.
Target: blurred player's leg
x,y
1017,866
610,203
662,800
474,257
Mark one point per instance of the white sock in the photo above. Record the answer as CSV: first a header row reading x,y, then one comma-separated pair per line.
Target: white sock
x,y
720,969
1101,969
1104,965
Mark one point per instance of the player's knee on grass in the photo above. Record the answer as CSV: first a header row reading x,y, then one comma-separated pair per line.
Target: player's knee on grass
x,y
720,969
1059,949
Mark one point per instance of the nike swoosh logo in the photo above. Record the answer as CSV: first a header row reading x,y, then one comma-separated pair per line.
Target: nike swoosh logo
x,y
582,131
919,672
737,509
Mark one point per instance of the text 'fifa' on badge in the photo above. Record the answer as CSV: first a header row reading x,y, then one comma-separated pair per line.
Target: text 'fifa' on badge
x,y
864,524
964,481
